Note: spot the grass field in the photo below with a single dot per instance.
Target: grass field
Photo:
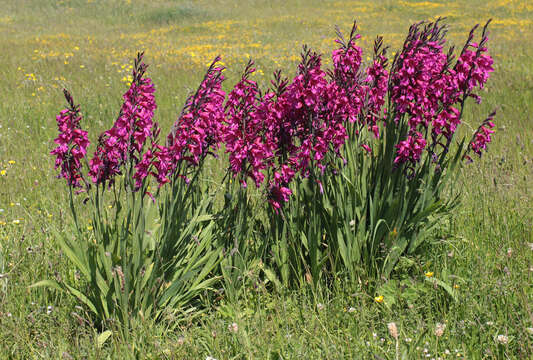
(485, 251)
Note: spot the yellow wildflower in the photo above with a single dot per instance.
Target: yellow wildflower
(3, 172)
(429, 274)
(379, 299)
(11, 162)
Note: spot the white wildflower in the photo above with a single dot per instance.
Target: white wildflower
(439, 329)
(502, 339)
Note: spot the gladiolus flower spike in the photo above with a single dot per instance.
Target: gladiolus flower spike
(124, 142)
(72, 143)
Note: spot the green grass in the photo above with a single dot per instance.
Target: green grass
(82, 45)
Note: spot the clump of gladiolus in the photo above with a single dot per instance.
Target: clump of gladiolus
(297, 127)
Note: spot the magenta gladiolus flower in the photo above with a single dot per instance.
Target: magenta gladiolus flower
(142, 168)
(410, 149)
(72, 143)
(427, 91)
(124, 142)
(197, 132)
(287, 131)
(482, 137)
(376, 90)
(248, 142)
(367, 148)
(278, 195)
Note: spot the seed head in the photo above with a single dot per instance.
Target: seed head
(439, 329)
(393, 330)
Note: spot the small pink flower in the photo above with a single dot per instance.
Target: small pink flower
(366, 148)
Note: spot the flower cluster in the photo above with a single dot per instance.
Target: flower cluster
(473, 67)
(125, 140)
(308, 128)
(197, 132)
(410, 149)
(346, 74)
(415, 80)
(431, 93)
(376, 87)
(287, 131)
(482, 136)
(72, 143)
(246, 133)
(198, 129)
(366, 90)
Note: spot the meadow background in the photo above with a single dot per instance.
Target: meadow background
(485, 251)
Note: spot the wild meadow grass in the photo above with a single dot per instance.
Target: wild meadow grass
(485, 251)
